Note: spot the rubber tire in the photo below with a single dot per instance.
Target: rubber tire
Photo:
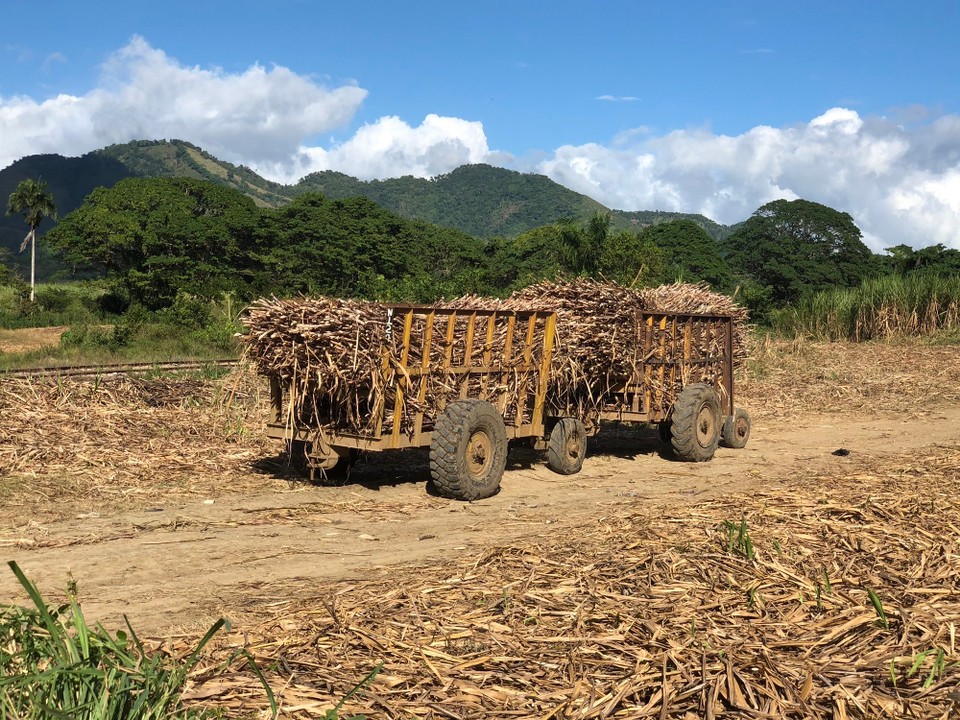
(736, 429)
(695, 426)
(567, 446)
(450, 471)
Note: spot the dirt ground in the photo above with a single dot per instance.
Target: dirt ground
(29, 339)
(174, 562)
(623, 591)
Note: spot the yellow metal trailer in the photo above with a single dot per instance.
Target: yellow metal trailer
(462, 382)
(465, 382)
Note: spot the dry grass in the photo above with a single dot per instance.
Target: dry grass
(645, 614)
(786, 378)
(29, 339)
(71, 445)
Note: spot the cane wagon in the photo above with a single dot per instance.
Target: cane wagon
(466, 382)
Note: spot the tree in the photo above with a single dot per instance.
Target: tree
(34, 200)
(580, 248)
(936, 259)
(157, 237)
(799, 247)
(6, 274)
(632, 260)
(690, 253)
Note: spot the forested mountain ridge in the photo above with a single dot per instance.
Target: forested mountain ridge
(177, 158)
(481, 200)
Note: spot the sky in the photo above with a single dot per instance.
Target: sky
(702, 106)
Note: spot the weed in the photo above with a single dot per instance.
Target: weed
(53, 664)
(878, 606)
(738, 538)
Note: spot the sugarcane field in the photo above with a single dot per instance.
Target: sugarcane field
(580, 501)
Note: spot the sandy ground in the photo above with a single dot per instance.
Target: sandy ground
(180, 565)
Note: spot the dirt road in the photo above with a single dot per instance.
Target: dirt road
(176, 566)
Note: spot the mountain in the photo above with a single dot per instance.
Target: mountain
(177, 158)
(70, 180)
(636, 219)
(486, 201)
(481, 200)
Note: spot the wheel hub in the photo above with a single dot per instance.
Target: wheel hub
(479, 453)
(706, 427)
(741, 428)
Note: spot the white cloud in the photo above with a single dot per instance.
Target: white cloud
(258, 115)
(617, 98)
(900, 180)
(900, 184)
(390, 147)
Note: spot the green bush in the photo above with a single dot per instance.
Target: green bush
(187, 312)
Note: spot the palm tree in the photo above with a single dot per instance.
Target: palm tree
(35, 201)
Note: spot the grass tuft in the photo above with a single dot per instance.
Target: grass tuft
(53, 664)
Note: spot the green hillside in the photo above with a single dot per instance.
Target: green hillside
(480, 200)
(176, 158)
(637, 219)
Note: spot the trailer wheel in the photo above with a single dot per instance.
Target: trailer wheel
(567, 446)
(339, 474)
(695, 428)
(298, 457)
(468, 450)
(736, 429)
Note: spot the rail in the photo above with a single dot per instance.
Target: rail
(82, 371)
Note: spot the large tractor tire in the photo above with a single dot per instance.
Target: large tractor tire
(468, 451)
(567, 446)
(695, 426)
(736, 429)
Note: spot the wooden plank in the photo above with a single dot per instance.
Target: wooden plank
(402, 380)
(424, 372)
(549, 331)
(525, 370)
(448, 339)
(647, 368)
(502, 378)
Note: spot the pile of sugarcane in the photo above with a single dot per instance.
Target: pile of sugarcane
(330, 353)
(326, 351)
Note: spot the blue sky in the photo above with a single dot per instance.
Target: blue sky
(712, 107)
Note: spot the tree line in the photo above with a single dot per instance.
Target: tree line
(157, 238)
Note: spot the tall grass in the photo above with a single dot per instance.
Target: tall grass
(54, 665)
(890, 306)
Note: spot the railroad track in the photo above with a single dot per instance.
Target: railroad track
(82, 371)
